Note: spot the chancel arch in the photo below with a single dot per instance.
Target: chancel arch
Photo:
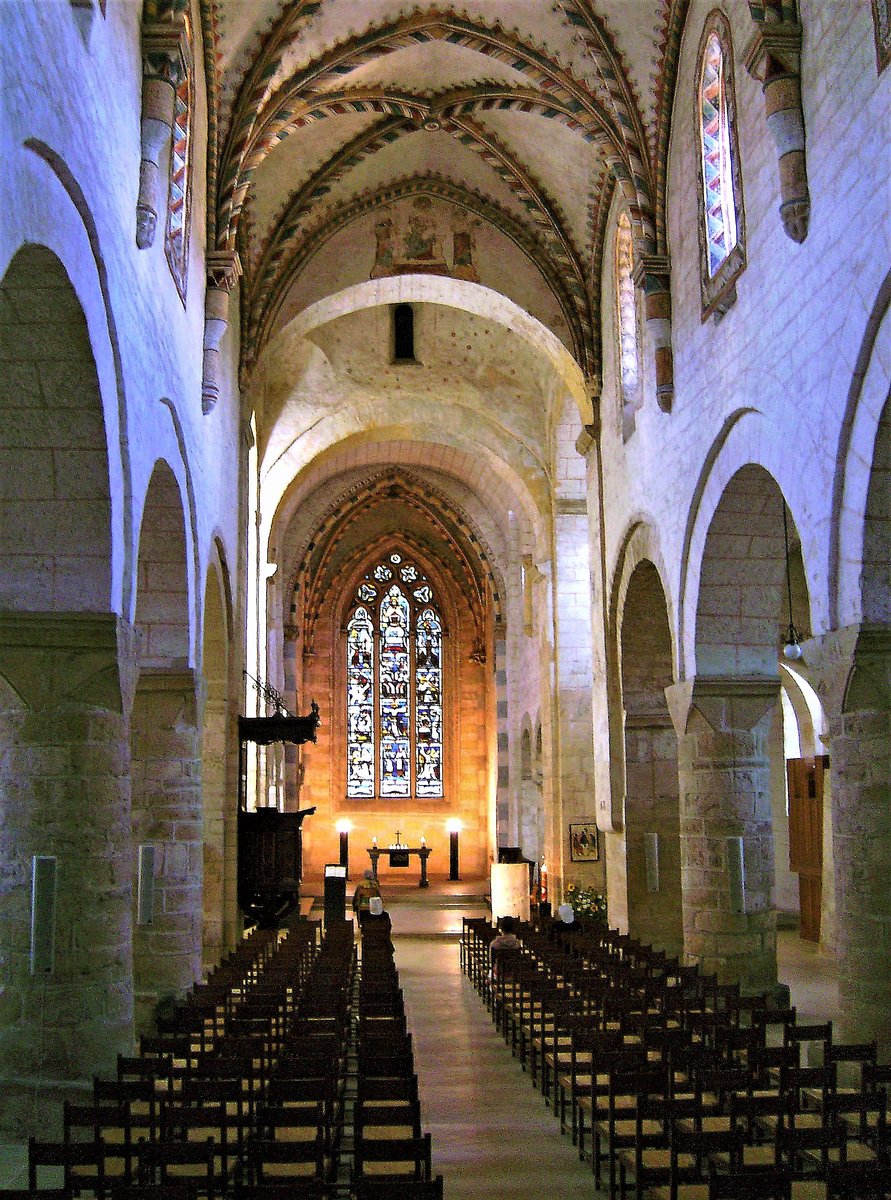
(394, 639)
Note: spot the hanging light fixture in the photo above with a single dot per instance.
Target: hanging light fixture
(792, 645)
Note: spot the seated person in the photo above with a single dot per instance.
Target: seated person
(506, 939)
(368, 888)
(564, 922)
(376, 916)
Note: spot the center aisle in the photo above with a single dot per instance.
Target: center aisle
(493, 1137)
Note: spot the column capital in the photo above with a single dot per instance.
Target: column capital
(88, 658)
(652, 271)
(725, 702)
(168, 679)
(165, 51)
(223, 269)
(849, 667)
(590, 433)
(774, 44)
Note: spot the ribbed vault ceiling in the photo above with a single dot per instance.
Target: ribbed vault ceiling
(498, 129)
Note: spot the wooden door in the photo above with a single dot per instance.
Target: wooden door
(805, 778)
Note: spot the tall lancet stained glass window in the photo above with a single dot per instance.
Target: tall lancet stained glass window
(717, 174)
(394, 685)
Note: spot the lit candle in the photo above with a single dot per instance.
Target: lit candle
(543, 882)
(374, 842)
(423, 840)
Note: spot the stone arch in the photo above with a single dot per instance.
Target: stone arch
(875, 578)
(727, 722)
(55, 504)
(162, 598)
(730, 453)
(65, 688)
(861, 769)
(639, 544)
(740, 603)
(166, 752)
(514, 469)
(468, 717)
(455, 293)
(58, 211)
(216, 793)
(866, 408)
(651, 803)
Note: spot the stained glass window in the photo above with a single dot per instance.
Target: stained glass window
(394, 686)
(360, 703)
(176, 238)
(717, 175)
(626, 322)
(428, 704)
(395, 672)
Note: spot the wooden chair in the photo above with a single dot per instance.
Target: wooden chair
(399, 1189)
(163, 1162)
(137, 1097)
(162, 1191)
(294, 1189)
(158, 1068)
(270, 1161)
(864, 1116)
(691, 1155)
(592, 1052)
(865, 1181)
(371, 1119)
(617, 1128)
(196, 1123)
(82, 1165)
(395, 1158)
(109, 1124)
(750, 1183)
(807, 1152)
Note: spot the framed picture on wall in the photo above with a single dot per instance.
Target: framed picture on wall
(583, 843)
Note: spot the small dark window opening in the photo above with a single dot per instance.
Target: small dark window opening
(403, 333)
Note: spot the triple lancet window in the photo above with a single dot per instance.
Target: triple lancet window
(394, 664)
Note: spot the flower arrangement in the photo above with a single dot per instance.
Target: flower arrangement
(586, 902)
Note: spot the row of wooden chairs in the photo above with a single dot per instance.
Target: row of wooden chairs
(392, 1155)
(201, 1109)
(639, 1054)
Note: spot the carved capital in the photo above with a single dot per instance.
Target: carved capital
(652, 272)
(849, 668)
(796, 218)
(76, 658)
(223, 269)
(165, 52)
(775, 48)
(725, 702)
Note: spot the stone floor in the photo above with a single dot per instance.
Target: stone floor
(493, 1137)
